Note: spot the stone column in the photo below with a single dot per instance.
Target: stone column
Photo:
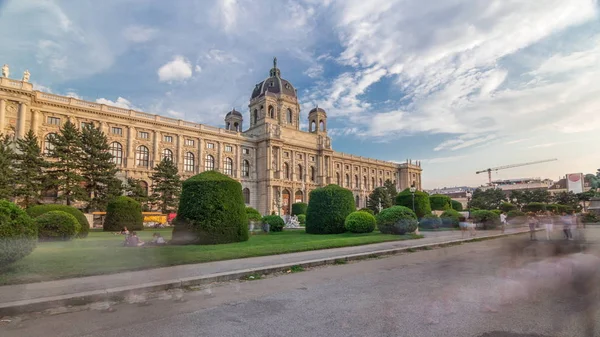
(130, 149)
(179, 158)
(293, 166)
(35, 121)
(200, 159)
(2, 115)
(155, 144)
(21, 118)
(238, 161)
(269, 163)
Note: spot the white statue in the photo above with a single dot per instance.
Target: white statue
(292, 222)
(5, 70)
(26, 76)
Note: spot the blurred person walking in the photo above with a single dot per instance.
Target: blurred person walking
(548, 221)
(567, 222)
(532, 221)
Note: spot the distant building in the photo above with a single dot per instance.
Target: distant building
(561, 185)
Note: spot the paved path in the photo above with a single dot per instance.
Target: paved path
(30, 291)
(391, 296)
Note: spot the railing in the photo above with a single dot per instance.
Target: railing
(191, 124)
(168, 120)
(210, 128)
(114, 109)
(51, 97)
(85, 104)
(145, 115)
(15, 84)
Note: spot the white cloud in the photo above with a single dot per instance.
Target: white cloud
(314, 71)
(175, 113)
(177, 70)
(139, 34)
(120, 103)
(197, 68)
(440, 160)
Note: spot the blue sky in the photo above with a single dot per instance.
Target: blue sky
(461, 85)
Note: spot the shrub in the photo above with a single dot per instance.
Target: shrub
(589, 218)
(430, 221)
(18, 233)
(57, 226)
(299, 208)
(397, 220)
(450, 218)
(253, 214)
(328, 208)
(360, 222)
(368, 210)
(302, 219)
(514, 214)
(38, 210)
(123, 212)
(507, 207)
(552, 208)
(422, 205)
(211, 211)
(275, 222)
(496, 211)
(488, 219)
(534, 207)
(457, 205)
(563, 208)
(439, 202)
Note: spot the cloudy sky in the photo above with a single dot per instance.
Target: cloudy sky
(461, 85)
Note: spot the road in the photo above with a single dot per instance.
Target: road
(393, 296)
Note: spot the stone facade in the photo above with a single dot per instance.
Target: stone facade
(276, 162)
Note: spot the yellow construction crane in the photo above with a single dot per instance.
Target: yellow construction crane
(489, 171)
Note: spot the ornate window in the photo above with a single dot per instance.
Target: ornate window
(142, 156)
(189, 162)
(228, 166)
(300, 177)
(48, 145)
(209, 163)
(167, 154)
(347, 180)
(246, 192)
(286, 171)
(365, 185)
(290, 116)
(380, 182)
(372, 182)
(356, 182)
(245, 168)
(271, 112)
(337, 179)
(357, 201)
(312, 174)
(116, 150)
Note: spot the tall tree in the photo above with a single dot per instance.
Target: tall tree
(64, 171)
(567, 199)
(166, 185)
(585, 197)
(97, 168)
(7, 173)
(390, 189)
(488, 199)
(378, 197)
(134, 190)
(29, 170)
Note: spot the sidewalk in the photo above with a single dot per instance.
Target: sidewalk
(76, 291)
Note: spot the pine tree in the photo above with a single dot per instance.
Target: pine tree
(29, 170)
(7, 173)
(64, 171)
(97, 168)
(390, 188)
(134, 190)
(379, 197)
(166, 185)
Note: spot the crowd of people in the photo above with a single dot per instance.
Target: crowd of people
(133, 240)
(567, 222)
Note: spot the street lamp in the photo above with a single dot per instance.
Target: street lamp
(412, 191)
(469, 195)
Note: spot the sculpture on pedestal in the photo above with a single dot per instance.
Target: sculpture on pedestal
(5, 70)
(292, 222)
(26, 76)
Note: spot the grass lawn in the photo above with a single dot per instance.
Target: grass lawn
(103, 253)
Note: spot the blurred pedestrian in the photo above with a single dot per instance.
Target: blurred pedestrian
(532, 221)
(567, 222)
(503, 221)
(548, 222)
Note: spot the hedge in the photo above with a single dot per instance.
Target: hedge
(328, 208)
(275, 222)
(422, 205)
(514, 214)
(457, 205)
(302, 219)
(211, 211)
(123, 212)
(360, 222)
(299, 208)
(507, 207)
(430, 221)
(534, 207)
(38, 210)
(368, 210)
(496, 211)
(18, 233)
(488, 219)
(57, 226)
(253, 214)
(439, 202)
(450, 218)
(396, 220)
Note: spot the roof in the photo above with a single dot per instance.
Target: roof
(234, 112)
(274, 84)
(317, 109)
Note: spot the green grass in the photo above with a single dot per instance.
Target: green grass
(103, 253)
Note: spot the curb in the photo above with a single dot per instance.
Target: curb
(121, 293)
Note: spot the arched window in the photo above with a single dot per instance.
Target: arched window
(254, 116)
(322, 126)
(228, 166)
(245, 168)
(312, 174)
(167, 154)
(356, 182)
(290, 116)
(337, 179)
(365, 185)
(48, 144)
(189, 162)
(271, 112)
(380, 182)
(300, 177)
(142, 156)
(209, 163)
(373, 183)
(228, 126)
(246, 192)
(313, 126)
(236, 126)
(347, 180)
(116, 150)
(286, 171)
(357, 201)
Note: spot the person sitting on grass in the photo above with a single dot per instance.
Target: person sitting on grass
(124, 231)
(157, 240)
(133, 240)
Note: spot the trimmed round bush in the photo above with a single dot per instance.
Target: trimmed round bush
(430, 221)
(275, 222)
(57, 226)
(534, 207)
(507, 207)
(439, 202)
(211, 211)
(396, 220)
(328, 208)
(253, 214)
(302, 219)
(457, 205)
(368, 210)
(488, 219)
(422, 205)
(18, 233)
(38, 210)
(360, 222)
(450, 218)
(299, 208)
(123, 212)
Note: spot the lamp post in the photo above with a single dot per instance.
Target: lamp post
(469, 195)
(412, 191)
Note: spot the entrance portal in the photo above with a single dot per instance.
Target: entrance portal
(285, 202)
(298, 197)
